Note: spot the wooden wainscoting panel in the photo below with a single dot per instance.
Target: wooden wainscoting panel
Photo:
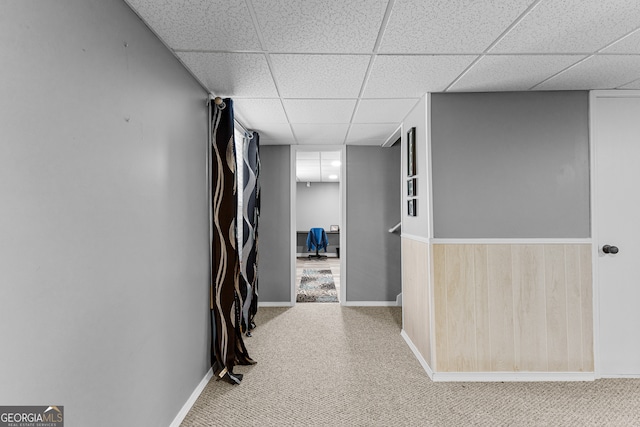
(529, 313)
(440, 308)
(460, 303)
(556, 295)
(415, 295)
(513, 308)
(500, 277)
(586, 295)
(574, 309)
(483, 337)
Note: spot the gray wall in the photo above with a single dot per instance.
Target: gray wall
(373, 206)
(274, 232)
(318, 205)
(104, 267)
(509, 165)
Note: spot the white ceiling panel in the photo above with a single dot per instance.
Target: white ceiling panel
(320, 110)
(408, 76)
(200, 24)
(274, 133)
(512, 72)
(448, 26)
(307, 71)
(633, 85)
(249, 111)
(371, 132)
(320, 133)
(320, 76)
(629, 44)
(320, 25)
(232, 74)
(383, 110)
(308, 155)
(561, 26)
(597, 72)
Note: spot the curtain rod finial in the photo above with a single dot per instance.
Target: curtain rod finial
(217, 100)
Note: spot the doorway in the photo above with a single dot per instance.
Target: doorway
(318, 202)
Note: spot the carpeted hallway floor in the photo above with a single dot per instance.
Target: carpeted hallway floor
(328, 365)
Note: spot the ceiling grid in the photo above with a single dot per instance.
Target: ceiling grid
(341, 72)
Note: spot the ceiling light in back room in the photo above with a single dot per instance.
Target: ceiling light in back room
(333, 176)
(336, 163)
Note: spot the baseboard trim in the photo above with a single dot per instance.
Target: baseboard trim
(370, 304)
(275, 304)
(417, 354)
(512, 376)
(192, 399)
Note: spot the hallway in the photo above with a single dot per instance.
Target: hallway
(324, 364)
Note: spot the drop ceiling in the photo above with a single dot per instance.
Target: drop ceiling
(335, 72)
(318, 166)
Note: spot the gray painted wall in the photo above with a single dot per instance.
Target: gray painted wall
(274, 233)
(373, 206)
(509, 165)
(318, 205)
(104, 266)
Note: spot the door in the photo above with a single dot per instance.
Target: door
(616, 133)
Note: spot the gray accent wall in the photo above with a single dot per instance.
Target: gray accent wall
(104, 253)
(373, 207)
(510, 165)
(317, 205)
(274, 232)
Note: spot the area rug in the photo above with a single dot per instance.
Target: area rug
(317, 286)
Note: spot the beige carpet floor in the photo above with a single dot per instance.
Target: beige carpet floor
(328, 365)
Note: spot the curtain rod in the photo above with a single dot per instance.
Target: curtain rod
(218, 101)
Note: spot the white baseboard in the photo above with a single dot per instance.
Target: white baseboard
(275, 304)
(511, 376)
(370, 304)
(416, 353)
(192, 399)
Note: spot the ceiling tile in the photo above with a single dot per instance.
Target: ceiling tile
(512, 72)
(308, 155)
(320, 25)
(411, 76)
(319, 110)
(249, 111)
(383, 110)
(371, 132)
(232, 74)
(448, 26)
(274, 133)
(320, 133)
(633, 85)
(597, 72)
(629, 44)
(320, 76)
(200, 24)
(571, 26)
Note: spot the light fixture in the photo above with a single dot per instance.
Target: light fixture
(308, 184)
(333, 176)
(336, 163)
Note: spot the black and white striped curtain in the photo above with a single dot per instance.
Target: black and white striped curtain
(226, 300)
(251, 212)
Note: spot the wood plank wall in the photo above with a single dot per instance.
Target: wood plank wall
(509, 308)
(415, 295)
